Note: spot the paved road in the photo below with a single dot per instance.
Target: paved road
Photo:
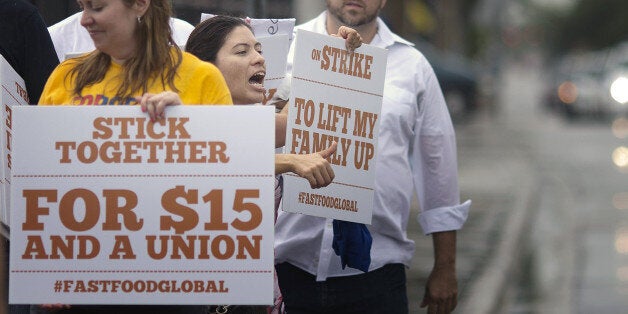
(495, 175)
(548, 229)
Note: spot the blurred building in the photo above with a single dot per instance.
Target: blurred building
(438, 21)
(190, 10)
(54, 11)
(443, 24)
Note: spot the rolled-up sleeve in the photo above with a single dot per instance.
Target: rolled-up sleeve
(435, 163)
(444, 218)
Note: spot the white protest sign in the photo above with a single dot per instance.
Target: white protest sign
(275, 35)
(266, 27)
(276, 54)
(336, 95)
(109, 207)
(13, 94)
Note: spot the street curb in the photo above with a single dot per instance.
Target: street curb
(486, 291)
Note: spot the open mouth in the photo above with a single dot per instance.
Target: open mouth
(257, 79)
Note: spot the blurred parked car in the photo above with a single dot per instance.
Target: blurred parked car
(457, 77)
(591, 84)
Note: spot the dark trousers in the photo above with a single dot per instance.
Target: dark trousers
(380, 291)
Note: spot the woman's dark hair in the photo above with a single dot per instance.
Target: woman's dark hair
(209, 36)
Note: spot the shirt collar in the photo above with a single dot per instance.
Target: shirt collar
(387, 37)
(383, 39)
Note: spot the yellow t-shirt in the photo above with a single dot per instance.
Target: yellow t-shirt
(198, 82)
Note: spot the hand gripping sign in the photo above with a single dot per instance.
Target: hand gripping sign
(336, 95)
(109, 207)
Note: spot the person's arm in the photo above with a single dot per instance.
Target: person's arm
(438, 192)
(441, 289)
(313, 167)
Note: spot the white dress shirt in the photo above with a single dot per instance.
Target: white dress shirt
(416, 153)
(71, 39)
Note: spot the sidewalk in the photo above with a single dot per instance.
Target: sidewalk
(496, 174)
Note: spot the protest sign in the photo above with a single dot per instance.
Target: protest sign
(276, 54)
(336, 95)
(266, 27)
(111, 208)
(13, 94)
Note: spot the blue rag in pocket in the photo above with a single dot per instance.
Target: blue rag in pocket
(352, 242)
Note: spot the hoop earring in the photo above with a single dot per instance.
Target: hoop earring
(139, 19)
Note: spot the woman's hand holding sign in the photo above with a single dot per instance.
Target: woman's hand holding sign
(155, 104)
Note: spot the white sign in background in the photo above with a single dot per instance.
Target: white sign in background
(13, 94)
(336, 95)
(275, 50)
(101, 215)
(266, 27)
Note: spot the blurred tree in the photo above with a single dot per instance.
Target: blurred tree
(445, 23)
(421, 17)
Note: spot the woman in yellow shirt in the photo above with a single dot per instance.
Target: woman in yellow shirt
(135, 62)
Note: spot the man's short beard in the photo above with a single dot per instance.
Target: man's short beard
(350, 21)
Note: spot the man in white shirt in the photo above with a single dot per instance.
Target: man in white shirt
(417, 153)
(71, 39)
